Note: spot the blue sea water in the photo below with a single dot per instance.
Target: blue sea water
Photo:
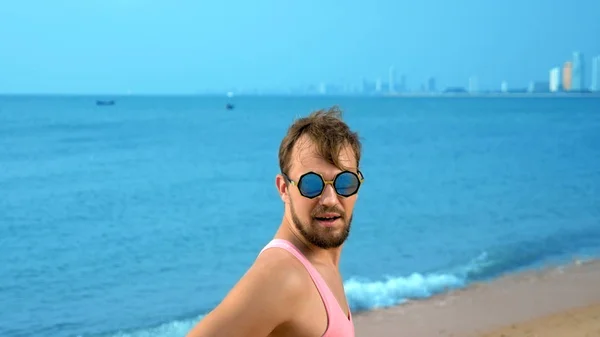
(136, 219)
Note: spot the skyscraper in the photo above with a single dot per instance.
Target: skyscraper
(322, 88)
(431, 87)
(403, 87)
(473, 84)
(578, 73)
(567, 74)
(596, 73)
(391, 79)
(554, 79)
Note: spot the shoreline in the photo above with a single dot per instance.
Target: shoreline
(500, 307)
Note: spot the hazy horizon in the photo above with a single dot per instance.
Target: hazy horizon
(121, 46)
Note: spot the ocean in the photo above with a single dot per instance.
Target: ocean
(136, 219)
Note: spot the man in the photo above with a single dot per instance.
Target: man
(294, 288)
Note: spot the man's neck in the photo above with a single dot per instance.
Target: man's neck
(310, 251)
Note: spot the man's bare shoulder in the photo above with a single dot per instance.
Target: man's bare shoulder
(284, 264)
(268, 295)
(277, 273)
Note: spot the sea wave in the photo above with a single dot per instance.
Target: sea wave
(363, 294)
(366, 294)
(396, 290)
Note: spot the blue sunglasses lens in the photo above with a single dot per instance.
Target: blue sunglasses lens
(346, 184)
(311, 185)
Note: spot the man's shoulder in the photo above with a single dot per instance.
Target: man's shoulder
(279, 271)
(270, 293)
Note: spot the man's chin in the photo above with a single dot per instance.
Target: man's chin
(327, 237)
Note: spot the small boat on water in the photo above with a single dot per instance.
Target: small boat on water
(229, 106)
(105, 102)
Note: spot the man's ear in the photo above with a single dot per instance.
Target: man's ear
(282, 188)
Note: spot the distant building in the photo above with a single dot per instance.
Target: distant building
(554, 85)
(391, 79)
(431, 86)
(378, 85)
(455, 90)
(473, 84)
(402, 87)
(596, 73)
(577, 73)
(322, 88)
(367, 87)
(567, 76)
(538, 86)
(504, 86)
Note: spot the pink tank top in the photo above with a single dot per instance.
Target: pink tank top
(338, 324)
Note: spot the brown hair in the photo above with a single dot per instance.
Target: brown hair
(329, 133)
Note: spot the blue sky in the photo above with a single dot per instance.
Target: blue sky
(184, 46)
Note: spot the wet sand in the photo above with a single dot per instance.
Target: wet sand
(557, 301)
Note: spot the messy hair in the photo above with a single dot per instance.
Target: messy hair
(327, 131)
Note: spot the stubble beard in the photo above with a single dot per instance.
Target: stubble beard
(322, 237)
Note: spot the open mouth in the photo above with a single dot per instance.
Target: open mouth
(327, 219)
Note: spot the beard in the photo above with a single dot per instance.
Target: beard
(317, 235)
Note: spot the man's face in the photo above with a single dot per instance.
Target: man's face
(307, 215)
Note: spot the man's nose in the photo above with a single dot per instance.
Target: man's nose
(328, 197)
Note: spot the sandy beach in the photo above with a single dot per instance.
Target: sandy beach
(557, 301)
(578, 322)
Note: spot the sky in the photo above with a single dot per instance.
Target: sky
(188, 46)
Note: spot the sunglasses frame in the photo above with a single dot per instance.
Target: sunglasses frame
(358, 175)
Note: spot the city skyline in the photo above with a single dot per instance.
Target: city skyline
(187, 47)
(574, 70)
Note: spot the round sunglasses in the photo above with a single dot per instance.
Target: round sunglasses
(312, 184)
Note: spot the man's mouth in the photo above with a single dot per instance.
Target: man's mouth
(327, 218)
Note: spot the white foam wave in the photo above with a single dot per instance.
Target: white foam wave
(362, 295)
(365, 295)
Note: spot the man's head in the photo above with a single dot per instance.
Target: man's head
(319, 162)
